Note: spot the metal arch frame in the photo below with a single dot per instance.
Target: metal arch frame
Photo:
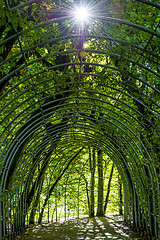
(59, 85)
(132, 148)
(26, 133)
(19, 6)
(107, 147)
(107, 19)
(66, 135)
(92, 64)
(65, 91)
(95, 99)
(76, 36)
(76, 51)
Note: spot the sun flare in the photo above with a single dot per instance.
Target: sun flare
(81, 14)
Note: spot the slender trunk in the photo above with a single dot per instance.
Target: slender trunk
(120, 196)
(65, 198)
(87, 191)
(29, 194)
(92, 170)
(108, 189)
(35, 205)
(100, 209)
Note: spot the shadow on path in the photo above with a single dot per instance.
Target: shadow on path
(77, 229)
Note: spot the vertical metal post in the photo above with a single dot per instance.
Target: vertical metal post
(8, 226)
(56, 202)
(65, 199)
(48, 210)
(18, 212)
(23, 210)
(48, 197)
(10, 216)
(39, 207)
(78, 196)
(0, 218)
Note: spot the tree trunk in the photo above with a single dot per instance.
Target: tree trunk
(35, 205)
(87, 191)
(108, 189)
(120, 196)
(100, 209)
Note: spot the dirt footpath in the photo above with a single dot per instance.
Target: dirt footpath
(80, 229)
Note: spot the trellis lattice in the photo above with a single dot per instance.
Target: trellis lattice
(65, 85)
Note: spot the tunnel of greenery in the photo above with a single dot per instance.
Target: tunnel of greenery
(79, 111)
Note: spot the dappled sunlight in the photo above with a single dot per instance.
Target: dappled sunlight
(84, 228)
(79, 119)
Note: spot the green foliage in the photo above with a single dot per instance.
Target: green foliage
(66, 86)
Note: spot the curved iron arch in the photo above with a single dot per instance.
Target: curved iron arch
(36, 118)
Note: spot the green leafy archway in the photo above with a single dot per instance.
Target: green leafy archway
(67, 85)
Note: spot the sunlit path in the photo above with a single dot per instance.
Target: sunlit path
(84, 228)
(79, 119)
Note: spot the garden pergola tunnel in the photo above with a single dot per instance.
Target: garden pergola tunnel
(66, 85)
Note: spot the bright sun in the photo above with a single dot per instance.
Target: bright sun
(81, 14)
